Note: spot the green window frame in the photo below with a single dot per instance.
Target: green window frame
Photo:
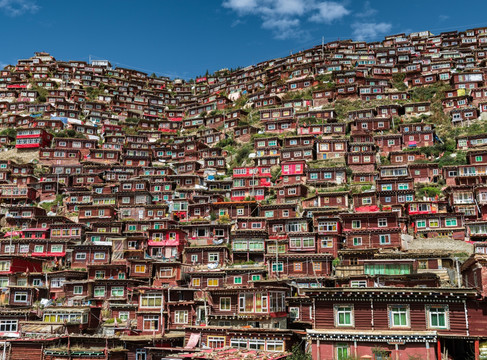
(399, 316)
(451, 222)
(277, 267)
(438, 317)
(344, 315)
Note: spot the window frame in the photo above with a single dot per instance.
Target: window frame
(226, 303)
(343, 309)
(399, 309)
(429, 313)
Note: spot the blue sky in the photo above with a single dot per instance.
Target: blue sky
(184, 38)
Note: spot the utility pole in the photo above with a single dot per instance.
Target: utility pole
(206, 310)
(277, 258)
(162, 322)
(322, 47)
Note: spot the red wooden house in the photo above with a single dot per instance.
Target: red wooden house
(371, 230)
(33, 138)
(343, 329)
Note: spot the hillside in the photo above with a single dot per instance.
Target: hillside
(335, 197)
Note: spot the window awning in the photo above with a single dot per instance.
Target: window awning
(193, 341)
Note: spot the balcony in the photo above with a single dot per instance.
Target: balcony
(349, 270)
(458, 201)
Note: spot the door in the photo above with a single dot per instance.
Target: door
(342, 352)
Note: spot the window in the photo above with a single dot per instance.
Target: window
(8, 325)
(433, 223)
(124, 315)
(151, 300)
(212, 282)
(117, 291)
(327, 242)
(151, 322)
(3, 283)
(384, 239)
(99, 256)
(77, 290)
(356, 224)
(225, 304)
(294, 313)
(255, 277)
(256, 344)
(196, 282)
(358, 283)
(420, 223)
(366, 201)
(216, 342)
(181, 316)
(382, 222)
(57, 282)
(39, 248)
(237, 280)
(278, 266)
(20, 296)
(56, 248)
(165, 272)
(398, 316)
(194, 258)
(213, 257)
(343, 315)
(451, 222)
(437, 317)
(298, 266)
(140, 269)
(357, 241)
(275, 345)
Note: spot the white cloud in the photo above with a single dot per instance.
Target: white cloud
(283, 28)
(285, 17)
(369, 31)
(290, 7)
(18, 7)
(367, 11)
(328, 12)
(241, 6)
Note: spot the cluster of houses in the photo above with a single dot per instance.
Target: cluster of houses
(246, 214)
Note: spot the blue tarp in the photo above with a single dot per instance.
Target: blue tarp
(63, 119)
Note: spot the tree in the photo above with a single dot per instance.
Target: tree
(298, 354)
(9, 132)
